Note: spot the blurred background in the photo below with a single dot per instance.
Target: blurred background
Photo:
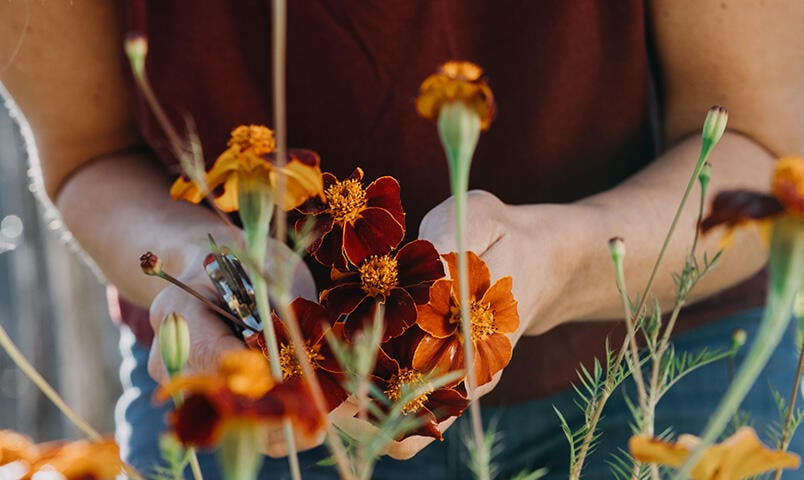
(52, 304)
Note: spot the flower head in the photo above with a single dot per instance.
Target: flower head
(734, 208)
(353, 222)
(461, 82)
(241, 394)
(741, 455)
(396, 377)
(400, 282)
(314, 325)
(493, 316)
(249, 163)
(80, 460)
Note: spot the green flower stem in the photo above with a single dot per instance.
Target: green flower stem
(459, 129)
(786, 270)
(256, 208)
(787, 430)
(241, 451)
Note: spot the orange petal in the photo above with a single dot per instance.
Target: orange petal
(183, 189)
(16, 447)
(501, 299)
(99, 461)
(434, 317)
(438, 354)
(479, 276)
(491, 356)
(303, 180)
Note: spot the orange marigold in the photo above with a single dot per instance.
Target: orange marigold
(457, 81)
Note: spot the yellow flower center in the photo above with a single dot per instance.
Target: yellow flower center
(255, 139)
(378, 275)
(407, 378)
(291, 368)
(482, 316)
(346, 199)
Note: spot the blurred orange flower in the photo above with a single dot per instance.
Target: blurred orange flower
(241, 393)
(734, 208)
(494, 315)
(741, 455)
(80, 460)
(249, 162)
(457, 81)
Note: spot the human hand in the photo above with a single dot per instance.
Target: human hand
(210, 336)
(520, 241)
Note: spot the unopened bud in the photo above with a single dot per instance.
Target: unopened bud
(136, 46)
(150, 264)
(738, 338)
(715, 124)
(617, 248)
(174, 343)
(705, 175)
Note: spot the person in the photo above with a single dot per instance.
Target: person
(599, 105)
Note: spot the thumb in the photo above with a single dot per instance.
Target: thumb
(482, 228)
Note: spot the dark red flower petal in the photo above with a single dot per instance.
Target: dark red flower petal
(419, 263)
(385, 193)
(332, 388)
(733, 207)
(342, 299)
(446, 402)
(402, 348)
(375, 232)
(197, 421)
(329, 251)
(313, 319)
(400, 313)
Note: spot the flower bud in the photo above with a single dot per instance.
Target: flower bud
(136, 47)
(617, 248)
(150, 264)
(738, 338)
(174, 343)
(715, 124)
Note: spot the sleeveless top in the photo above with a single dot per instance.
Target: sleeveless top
(572, 80)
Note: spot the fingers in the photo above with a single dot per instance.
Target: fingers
(483, 226)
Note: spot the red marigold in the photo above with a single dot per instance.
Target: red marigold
(395, 375)
(241, 392)
(494, 315)
(353, 222)
(399, 282)
(314, 324)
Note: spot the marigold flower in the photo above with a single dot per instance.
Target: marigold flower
(73, 460)
(400, 282)
(734, 208)
(249, 162)
(741, 455)
(241, 393)
(395, 375)
(494, 315)
(314, 323)
(353, 222)
(457, 81)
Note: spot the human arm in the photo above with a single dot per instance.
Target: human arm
(558, 255)
(66, 75)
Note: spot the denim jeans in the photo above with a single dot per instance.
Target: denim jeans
(529, 434)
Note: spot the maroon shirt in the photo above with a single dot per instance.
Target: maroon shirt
(571, 79)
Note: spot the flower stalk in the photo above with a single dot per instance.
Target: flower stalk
(786, 269)
(459, 129)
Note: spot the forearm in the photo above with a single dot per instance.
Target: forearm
(640, 211)
(119, 207)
